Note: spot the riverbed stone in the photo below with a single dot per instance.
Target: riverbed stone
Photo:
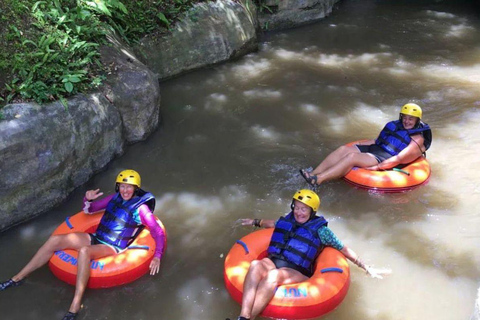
(292, 13)
(208, 34)
(47, 151)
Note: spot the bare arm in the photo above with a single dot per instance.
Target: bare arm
(353, 256)
(264, 223)
(414, 150)
(365, 142)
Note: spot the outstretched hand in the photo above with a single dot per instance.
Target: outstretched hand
(377, 273)
(246, 222)
(154, 266)
(93, 194)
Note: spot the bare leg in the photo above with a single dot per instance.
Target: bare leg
(267, 287)
(54, 243)
(256, 273)
(345, 164)
(333, 158)
(85, 255)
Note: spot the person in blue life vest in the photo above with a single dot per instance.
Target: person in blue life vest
(127, 212)
(400, 142)
(297, 240)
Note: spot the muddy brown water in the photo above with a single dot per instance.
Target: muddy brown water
(233, 138)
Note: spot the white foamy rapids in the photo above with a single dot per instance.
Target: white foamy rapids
(476, 311)
(216, 102)
(265, 134)
(262, 94)
(251, 69)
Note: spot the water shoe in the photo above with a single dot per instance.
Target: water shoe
(311, 179)
(9, 283)
(69, 316)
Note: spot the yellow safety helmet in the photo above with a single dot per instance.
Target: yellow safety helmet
(130, 177)
(412, 109)
(309, 198)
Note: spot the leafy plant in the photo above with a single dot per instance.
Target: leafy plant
(147, 16)
(51, 47)
(266, 6)
(56, 58)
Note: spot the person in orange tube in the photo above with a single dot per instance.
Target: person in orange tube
(400, 142)
(297, 240)
(127, 212)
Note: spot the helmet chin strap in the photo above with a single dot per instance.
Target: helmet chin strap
(312, 215)
(417, 124)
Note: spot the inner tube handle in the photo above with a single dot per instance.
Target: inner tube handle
(139, 247)
(67, 221)
(244, 245)
(339, 270)
(402, 171)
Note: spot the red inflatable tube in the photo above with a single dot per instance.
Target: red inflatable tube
(106, 272)
(410, 177)
(320, 294)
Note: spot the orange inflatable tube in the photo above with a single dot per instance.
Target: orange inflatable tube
(410, 177)
(320, 294)
(106, 272)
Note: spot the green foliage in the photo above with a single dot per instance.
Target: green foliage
(52, 47)
(147, 16)
(58, 57)
(266, 6)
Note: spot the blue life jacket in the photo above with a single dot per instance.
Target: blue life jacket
(118, 226)
(297, 243)
(394, 137)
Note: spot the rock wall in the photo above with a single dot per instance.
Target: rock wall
(293, 13)
(47, 151)
(208, 34)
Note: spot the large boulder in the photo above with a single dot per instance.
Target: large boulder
(47, 151)
(207, 34)
(285, 14)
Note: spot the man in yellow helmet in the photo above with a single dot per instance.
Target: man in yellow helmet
(297, 240)
(400, 142)
(127, 212)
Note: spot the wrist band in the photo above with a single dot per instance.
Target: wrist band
(256, 222)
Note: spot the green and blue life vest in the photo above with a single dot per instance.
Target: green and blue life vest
(297, 243)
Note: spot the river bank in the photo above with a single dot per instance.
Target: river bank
(46, 151)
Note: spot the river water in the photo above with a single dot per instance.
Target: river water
(233, 138)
